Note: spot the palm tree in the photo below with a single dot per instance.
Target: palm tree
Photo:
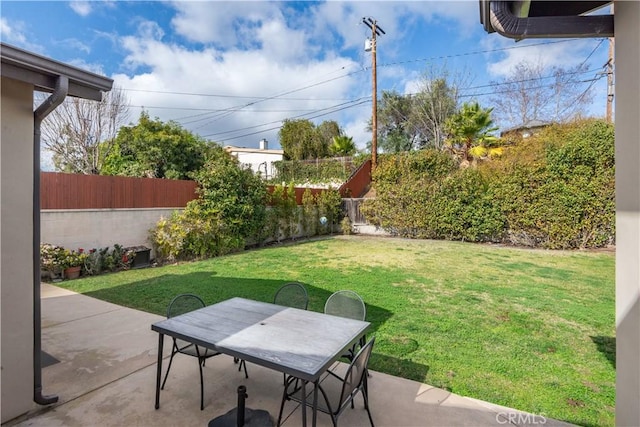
(342, 145)
(469, 127)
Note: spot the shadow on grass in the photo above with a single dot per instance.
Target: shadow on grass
(154, 294)
(398, 367)
(606, 346)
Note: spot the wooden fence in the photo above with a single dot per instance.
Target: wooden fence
(71, 191)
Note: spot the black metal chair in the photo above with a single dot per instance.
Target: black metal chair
(353, 382)
(350, 305)
(346, 304)
(182, 304)
(292, 295)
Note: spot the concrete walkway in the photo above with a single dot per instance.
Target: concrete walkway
(107, 369)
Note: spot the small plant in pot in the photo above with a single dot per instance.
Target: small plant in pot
(74, 261)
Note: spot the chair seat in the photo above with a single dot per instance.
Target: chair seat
(331, 385)
(190, 349)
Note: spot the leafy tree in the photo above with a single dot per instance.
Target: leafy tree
(80, 133)
(432, 106)
(328, 130)
(395, 132)
(532, 93)
(469, 127)
(155, 149)
(301, 139)
(342, 146)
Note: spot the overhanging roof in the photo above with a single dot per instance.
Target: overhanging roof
(43, 72)
(545, 19)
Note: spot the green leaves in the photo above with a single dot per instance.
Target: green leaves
(469, 127)
(301, 139)
(342, 145)
(555, 190)
(155, 149)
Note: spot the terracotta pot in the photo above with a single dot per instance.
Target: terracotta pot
(72, 272)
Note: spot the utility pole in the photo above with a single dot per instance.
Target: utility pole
(375, 31)
(610, 91)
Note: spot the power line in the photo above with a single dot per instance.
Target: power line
(312, 117)
(214, 110)
(357, 101)
(279, 96)
(218, 95)
(476, 52)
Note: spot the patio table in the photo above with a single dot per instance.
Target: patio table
(300, 343)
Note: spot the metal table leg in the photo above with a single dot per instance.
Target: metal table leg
(159, 370)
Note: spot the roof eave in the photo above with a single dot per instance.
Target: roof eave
(497, 16)
(43, 72)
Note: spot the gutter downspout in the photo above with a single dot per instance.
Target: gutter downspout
(50, 104)
(509, 25)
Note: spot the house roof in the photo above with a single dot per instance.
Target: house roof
(233, 149)
(43, 72)
(531, 124)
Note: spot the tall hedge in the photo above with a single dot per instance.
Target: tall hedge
(554, 190)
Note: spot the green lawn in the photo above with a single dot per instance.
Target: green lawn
(528, 329)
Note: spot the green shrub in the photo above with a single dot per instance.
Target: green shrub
(284, 216)
(309, 214)
(345, 225)
(554, 190)
(230, 211)
(329, 205)
(317, 171)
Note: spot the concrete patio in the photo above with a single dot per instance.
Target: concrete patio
(107, 369)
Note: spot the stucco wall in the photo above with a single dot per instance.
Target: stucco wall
(16, 265)
(627, 99)
(99, 228)
(257, 161)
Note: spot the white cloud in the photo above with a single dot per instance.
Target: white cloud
(14, 33)
(75, 44)
(265, 71)
(217, 22)
(396, 18)
(357, 127)
(562, 54)
(267, 49)
(82, 8)
(81, 63)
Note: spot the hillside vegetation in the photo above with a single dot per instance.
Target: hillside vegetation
(553, 190)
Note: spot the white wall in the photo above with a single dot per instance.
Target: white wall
(257, 159)
(16, 262)
(627, 98)
(99, 228)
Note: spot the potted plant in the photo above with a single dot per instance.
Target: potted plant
(52, 260)
(73, 262)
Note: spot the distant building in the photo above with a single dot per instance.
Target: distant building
(527, 129)
(259, 159)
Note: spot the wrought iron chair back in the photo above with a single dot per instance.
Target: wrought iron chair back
(182, 304)
(346, 304)
(354, 382)
(292, 295)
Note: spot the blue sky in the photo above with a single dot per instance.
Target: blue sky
(231, 71)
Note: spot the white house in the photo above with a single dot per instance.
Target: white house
(259, 159)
